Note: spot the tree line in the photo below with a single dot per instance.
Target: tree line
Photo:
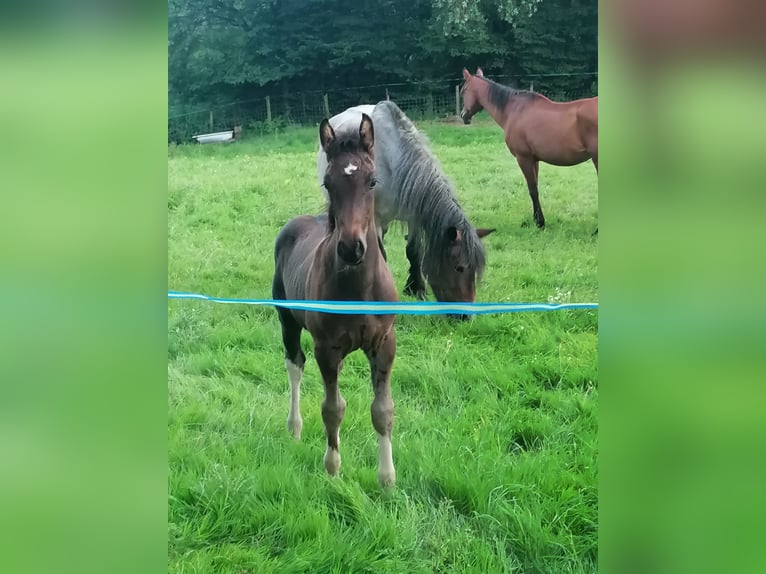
(221, 51)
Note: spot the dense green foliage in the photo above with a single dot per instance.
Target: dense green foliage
(495, 439)
(226, 50)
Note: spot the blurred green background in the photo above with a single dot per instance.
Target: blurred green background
(682, 317)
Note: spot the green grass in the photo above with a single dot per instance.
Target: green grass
(495, 439)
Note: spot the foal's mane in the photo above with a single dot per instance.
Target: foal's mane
(426, 193)
(347, 142)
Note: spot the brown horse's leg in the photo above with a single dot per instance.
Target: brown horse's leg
(595, 163)
(382, 408)
(416, 284)
(530, 167)
(333, 405)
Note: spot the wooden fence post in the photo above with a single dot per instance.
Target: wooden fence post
(387, 96)
(326, 107)
(211, 121)
(457, 100)
(268, 109)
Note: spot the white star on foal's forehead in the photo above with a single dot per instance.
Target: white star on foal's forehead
(350, 168)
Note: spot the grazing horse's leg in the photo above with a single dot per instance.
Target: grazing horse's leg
(416, 284)
(382, 408)
(381, 235)
(294, 362)
(333, 405)
(530, 167)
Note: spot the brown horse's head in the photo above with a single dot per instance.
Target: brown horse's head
(460, 265)
(471, 103)
(349, 180)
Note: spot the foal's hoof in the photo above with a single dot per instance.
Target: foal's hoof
(332, 461)
(540, 224)
(387, 479)
(295, 426)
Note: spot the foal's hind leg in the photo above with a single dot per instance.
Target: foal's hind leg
(416, 284)
(382, 408)
(333, 405)
(294, 362)
(530, 167)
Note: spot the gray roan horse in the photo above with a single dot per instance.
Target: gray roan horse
(337, 257)
(412, 188)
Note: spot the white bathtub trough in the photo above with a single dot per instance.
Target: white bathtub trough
(218, 137)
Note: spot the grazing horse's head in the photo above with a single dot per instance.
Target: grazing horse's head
(349, 180)
(471, 104)
(461, 263)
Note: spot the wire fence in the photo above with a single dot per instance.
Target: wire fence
(271, 113)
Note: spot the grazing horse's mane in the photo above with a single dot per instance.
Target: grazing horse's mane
(426, 191)
(499, 94)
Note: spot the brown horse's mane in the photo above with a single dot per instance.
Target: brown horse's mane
(499, 95)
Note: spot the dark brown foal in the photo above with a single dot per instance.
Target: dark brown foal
(337, 257)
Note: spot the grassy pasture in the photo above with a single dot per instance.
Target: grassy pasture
(495, 435)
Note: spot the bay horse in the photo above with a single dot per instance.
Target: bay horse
(536, 128)
(412, 188)
(336, 256)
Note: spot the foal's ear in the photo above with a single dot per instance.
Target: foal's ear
(326, 135)
(366, 133)
(481, 232)
(479, 72)
(454, 234)
(466, 75)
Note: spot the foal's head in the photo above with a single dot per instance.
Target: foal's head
(471, 104)
(349, 180)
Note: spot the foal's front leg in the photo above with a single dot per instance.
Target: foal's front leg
(382, 408)
(416, 284)
(333, 405)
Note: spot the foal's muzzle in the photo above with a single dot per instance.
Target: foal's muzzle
(351, 253)
(465, 117)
